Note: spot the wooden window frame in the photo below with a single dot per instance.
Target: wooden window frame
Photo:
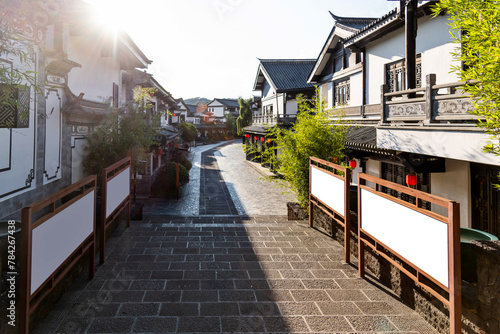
(398, 67)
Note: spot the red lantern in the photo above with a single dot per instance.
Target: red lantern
(247, 136)
(255, 138)
(262, 139)
(160, 151)
(269, 141)
(411, 180)
(352, 164)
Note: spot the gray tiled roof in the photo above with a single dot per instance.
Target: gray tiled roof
(229, 102)
(288, 74)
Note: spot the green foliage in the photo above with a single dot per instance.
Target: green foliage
(15, 18)
(475, 25)
(118, 136)
(181, 158)
(313, 134)
(165, 183)
(187, 131)
(231, 123)
(245, 117)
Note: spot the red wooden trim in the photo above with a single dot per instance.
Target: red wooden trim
(329, 164)
(102, 222)
(108, 174)
(325, 210)
(315, 199)
(125, 161)
(453, 222)
(455, 281)
(62, 193)
(60, 208)
(361, 248)
(407, 204)
(408, 191)
(340, 177)
(311, 207)
(402, 258)
(347, 209)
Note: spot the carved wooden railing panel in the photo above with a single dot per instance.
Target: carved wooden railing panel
(433, 103)
(453, 105)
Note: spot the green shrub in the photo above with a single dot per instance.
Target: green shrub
(164, 184)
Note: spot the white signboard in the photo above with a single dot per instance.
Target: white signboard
(57, 238)
(117, 190)
(328, 189)
(418, 238)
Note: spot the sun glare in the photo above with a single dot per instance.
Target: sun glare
(109, 13)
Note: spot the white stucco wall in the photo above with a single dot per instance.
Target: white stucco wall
(372, 167)
(96, 76)
(356, 89)
(17, 146)
(459, 144)
(433, 42)
(454, 185)
(291, 107)
(323, 90)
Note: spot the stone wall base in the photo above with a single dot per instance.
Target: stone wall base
(480, 302)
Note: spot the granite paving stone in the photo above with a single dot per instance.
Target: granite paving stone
(240, 268)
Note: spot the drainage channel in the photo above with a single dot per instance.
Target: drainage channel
(215, 199)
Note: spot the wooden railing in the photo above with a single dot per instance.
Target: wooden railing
(430, 104)
(329, 190)
(115, 196)
(273, 119)
(419, 242)
(56, 233)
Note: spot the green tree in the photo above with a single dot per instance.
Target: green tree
(313, 134)
(121, 134)
(231, 123)
(245, 117)
(17, 19)
(187, 131)
(475, 26)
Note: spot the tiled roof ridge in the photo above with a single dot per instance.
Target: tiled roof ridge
(346, 20)
(374, 23)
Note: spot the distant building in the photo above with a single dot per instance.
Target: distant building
(222, 107)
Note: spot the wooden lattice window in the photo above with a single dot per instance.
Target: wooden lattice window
(14, 106)
(397, 174)
(342, 93)
(396, 74)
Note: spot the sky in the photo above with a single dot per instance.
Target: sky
(209, 48)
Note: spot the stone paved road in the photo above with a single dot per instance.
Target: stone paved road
(242, 186)
(233, 275)
(191, 266)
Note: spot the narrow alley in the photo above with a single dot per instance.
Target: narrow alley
(225, 258)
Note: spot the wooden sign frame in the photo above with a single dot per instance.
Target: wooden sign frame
(50, 212)
(342, 219)
(448, 293)
(108, 216)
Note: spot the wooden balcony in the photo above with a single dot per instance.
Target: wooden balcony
(274, 119)
(445, 103)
